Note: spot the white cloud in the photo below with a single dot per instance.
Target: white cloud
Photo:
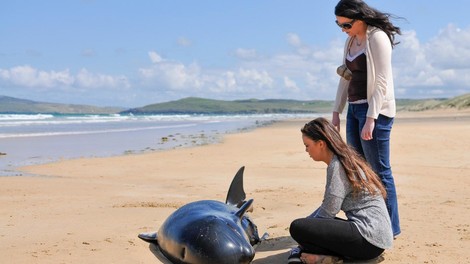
(86, 79)
(154, 57)
(258, 78)
(184, 42)
(294, 40)
(227, 83)
(296, 75)
(450, 48)
(173, 75)
(438, 67)
(192, 79)
(30, 77)
(27, 76)
(290, 84)
(246, 54)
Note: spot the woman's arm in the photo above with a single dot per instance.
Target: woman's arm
(336, 189)
(380, 70)
(329, 208)
(342, 91)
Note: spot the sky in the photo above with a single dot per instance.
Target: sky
(135, 53)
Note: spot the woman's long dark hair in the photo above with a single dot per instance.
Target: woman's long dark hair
(353, 163)
(358, 9)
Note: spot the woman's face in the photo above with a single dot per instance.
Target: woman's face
(313, 148)
(352, 27)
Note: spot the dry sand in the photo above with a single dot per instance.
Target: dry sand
(91, 210)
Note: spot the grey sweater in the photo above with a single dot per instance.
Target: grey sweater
(368, 212)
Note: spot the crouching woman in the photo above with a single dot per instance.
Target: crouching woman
(351, 186)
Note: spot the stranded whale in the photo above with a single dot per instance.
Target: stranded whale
(208, 231)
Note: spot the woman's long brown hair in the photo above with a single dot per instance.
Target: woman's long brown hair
(353, 163)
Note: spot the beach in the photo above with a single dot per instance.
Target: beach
(90, 210)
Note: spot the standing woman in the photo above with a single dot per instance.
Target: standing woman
(369, 90)
(351, 186)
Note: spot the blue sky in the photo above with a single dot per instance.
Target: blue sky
(134, 53)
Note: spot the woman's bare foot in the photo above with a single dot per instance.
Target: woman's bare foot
(308, 258)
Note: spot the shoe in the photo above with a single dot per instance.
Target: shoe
(294, 256)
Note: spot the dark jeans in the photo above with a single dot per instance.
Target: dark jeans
(334, 237)
(376, 151)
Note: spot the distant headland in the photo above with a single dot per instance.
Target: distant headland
(195, 105)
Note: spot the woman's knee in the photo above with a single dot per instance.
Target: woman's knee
(295, 227)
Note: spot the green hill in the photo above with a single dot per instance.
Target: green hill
(193, 105)
(459, 102)
(250, 106)
(254, 106)
(21, 106)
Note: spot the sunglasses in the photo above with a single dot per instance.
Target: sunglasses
(347, 25)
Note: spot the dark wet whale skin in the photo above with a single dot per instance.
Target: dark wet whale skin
(208, 232)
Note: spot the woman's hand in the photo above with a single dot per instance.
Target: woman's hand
(368, 128)
(335, 120)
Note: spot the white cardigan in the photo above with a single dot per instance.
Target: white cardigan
(380, 90)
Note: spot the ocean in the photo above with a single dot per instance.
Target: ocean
(28, 139)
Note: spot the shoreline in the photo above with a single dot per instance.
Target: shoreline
(52, 147)
(91, 210)
(177, 140)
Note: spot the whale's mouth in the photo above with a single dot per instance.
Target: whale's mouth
(149, 237)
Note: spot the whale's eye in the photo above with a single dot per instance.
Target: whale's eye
(183, 252)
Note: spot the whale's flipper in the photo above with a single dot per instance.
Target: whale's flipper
(236, 194)
(263, 238)
(149, 237)
(245, 207)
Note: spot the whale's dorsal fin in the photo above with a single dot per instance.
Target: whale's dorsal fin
(236, 194)
(245, 207)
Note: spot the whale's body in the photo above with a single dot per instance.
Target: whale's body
(208, 231)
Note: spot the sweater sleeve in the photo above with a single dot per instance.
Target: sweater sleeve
(336, 189)
(329, 208)
(342, 90)
(341, 95)
(380, 57)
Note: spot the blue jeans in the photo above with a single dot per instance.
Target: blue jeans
(376, 152)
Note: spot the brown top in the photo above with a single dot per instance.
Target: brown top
(357, 89)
